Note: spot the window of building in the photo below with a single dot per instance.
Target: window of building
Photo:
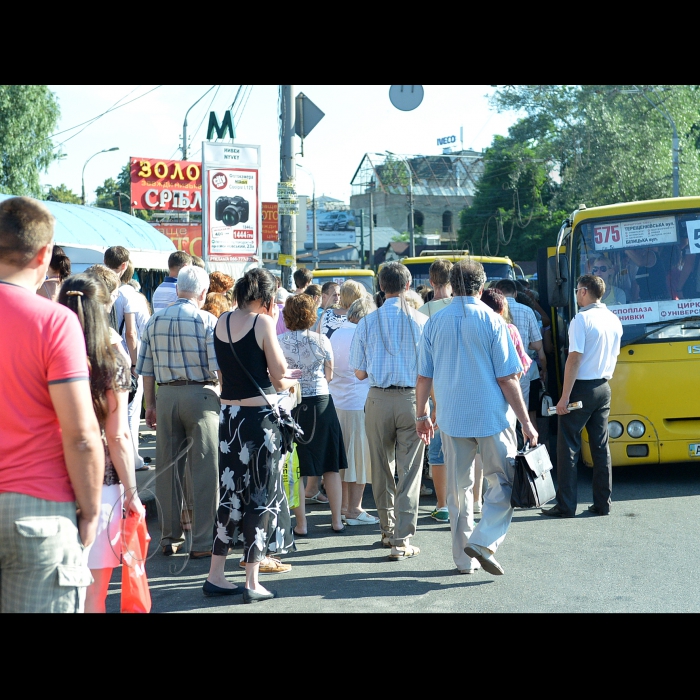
(447, 222)
(417, 219)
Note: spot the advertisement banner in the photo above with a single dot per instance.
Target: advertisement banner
(166, 185)
(270, 228)
(187, 237)
(336, 227)
(232, 213)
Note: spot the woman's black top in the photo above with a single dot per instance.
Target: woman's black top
(236, 384)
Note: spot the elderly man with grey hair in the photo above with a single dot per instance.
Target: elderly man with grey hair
(177, 353)
(385, 350)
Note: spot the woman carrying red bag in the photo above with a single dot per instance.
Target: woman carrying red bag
(88, 297)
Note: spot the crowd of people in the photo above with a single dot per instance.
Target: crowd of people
(236, 376)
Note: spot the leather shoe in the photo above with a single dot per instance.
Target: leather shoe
(594, 510)
(253, 597)
(210, 590)
(170, 549)
(270, 565)
(556, 513)
(200, 555)
(485, 558)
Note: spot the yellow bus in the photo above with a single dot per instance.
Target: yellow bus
(647, 253)
(495, 268)
(340, 275)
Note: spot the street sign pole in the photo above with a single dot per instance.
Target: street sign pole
(287, 216)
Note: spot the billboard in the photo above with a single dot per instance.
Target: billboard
(166, 185)
(270, 221)
(232, 212)
(187, 237)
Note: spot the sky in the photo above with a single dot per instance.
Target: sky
(358, 119)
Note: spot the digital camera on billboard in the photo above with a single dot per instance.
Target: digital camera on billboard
(231, 210)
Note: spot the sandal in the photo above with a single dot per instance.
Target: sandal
(364, 518)
(399, 553)
(318, 498)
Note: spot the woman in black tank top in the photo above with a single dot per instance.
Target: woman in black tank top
(252, 502)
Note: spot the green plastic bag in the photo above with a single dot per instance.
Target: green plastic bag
(290, 477)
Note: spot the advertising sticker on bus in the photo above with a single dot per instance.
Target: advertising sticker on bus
(632, 234)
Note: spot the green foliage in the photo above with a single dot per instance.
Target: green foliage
(591, 144)
(401, 237)
(62, 194)
(28, 117)
(116, 194)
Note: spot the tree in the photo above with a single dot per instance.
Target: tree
(62, 194)
(28, 117)
(116, 194)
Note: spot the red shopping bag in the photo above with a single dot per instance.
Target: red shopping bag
(136, 597)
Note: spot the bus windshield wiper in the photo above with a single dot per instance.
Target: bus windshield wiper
(658, 325)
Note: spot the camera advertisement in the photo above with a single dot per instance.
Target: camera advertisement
(232, 213)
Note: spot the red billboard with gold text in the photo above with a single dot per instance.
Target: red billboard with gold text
(187, 237)
(166, 185)
(269, 221)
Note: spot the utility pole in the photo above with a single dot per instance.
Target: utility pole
(287, 222)
(362, 238)
(371, 224)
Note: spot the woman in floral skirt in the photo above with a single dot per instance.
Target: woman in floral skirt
(253, 507)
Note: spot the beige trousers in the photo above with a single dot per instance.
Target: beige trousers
(394, 446)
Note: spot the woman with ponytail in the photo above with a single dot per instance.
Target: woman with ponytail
(59, 270)
(88, 297)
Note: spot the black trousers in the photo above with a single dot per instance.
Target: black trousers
(595, 396)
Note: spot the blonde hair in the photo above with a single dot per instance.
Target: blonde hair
(349, 292)
(414, 299)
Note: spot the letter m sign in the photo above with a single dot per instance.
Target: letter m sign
(226, 126)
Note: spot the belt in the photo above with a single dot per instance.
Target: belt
(392, 387)
(187, 382)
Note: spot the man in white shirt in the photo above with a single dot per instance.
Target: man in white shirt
(594, 344)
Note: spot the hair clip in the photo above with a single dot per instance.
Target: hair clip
(73, 293)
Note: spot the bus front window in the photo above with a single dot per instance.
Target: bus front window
(651, 269)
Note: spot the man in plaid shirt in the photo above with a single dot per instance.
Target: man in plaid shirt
(177, 353)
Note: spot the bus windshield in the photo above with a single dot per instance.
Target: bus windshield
(651, 269)
(420, 272)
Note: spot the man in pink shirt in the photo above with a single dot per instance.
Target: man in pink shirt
(52, 458)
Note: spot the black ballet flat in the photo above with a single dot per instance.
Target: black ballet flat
(210, 590)
(253, 597)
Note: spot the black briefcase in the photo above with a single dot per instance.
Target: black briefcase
(532, 483)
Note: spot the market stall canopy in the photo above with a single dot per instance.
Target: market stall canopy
(86, 232)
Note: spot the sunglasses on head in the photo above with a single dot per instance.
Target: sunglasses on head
(602, 268)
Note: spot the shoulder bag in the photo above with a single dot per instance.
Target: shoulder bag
(532, 482)
(289, 428)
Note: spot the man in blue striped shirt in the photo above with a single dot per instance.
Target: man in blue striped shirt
(166, 291)
(385, 349)
(466, 351)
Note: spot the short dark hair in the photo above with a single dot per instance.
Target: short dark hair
(313, 290)
(440, 272)
(115, 256)
(179, 259)
(394, 277)
(506, 286)
(328, 285)
(198, 262)
(494, 299)
(467, 277)
(26, 226)
(255, 285)
(299, 312)
(594, 284)
(302, 277)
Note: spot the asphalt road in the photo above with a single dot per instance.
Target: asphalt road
(644, 557)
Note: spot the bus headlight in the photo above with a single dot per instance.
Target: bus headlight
(636, 429)
(615, 429)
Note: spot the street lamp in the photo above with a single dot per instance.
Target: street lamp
(411, 235)
(184, 125)
(667, 116)
(314, 254)
(106, 150)
(122, 194)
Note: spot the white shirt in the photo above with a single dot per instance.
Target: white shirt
(130, 301)
(348, 392)
(595, 332)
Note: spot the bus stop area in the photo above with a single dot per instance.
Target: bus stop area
(644, 557)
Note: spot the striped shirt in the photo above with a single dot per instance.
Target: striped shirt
(525, 321)
(178, 343)
(465, 349)
(385, 344)
(165, 294)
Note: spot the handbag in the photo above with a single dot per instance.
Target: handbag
(136, 596)
(532, 482)
(289, 428)
(545, 401)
